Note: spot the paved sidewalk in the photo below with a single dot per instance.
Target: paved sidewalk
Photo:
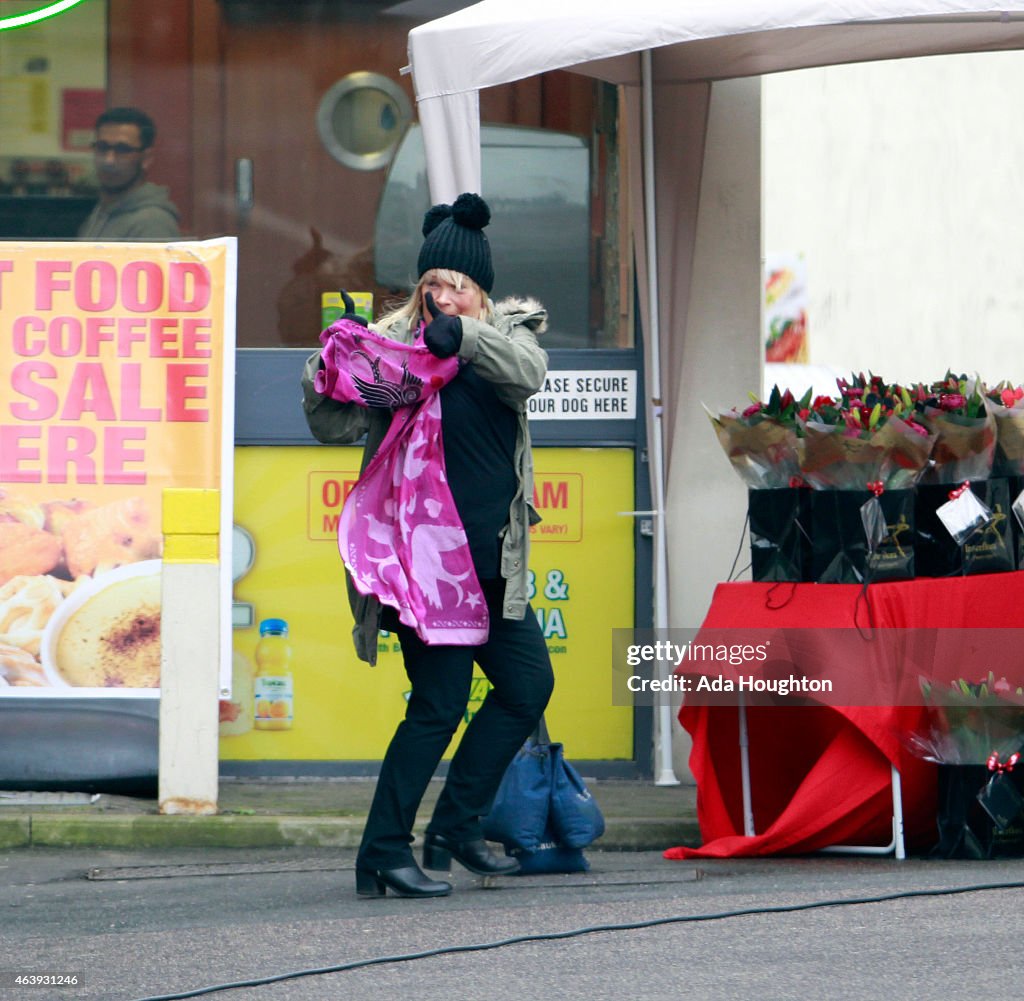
(330, 813)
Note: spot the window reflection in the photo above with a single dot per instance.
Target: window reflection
(538, 184)
(242, 83)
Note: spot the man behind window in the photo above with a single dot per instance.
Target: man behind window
(130, 207)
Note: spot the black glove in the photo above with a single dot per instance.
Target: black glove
(350, 309)
(444, 333)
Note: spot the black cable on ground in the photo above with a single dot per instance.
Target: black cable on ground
(449, 950)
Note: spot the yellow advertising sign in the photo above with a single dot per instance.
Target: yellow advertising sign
(560, 497)
(327, 492)
(116, 382)
(288, 501)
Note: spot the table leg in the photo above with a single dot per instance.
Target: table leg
(748, 809)
(896, 846)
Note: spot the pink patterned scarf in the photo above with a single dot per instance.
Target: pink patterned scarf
(400, 535)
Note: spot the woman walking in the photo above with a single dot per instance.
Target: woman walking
(435, 537)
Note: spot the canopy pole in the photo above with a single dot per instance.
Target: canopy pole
(666, 776)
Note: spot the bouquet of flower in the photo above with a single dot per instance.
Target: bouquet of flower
(1006, 403)
(956, 411)
(970, 721)
(868, 436)
(760, 441)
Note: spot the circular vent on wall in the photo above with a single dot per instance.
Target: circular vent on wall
(361, 119)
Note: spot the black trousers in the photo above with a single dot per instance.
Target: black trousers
(516, 662)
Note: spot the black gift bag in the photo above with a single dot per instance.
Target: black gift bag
(1016, 486)
(839, 544)
(989, 549)
(779, 533)
(968, 795)
(965, 829)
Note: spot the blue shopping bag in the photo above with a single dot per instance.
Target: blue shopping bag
(576, 819)
(519, 815)
(550, 856)
(544, 804)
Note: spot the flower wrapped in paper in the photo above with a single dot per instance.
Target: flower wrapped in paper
(970, 720)
(846, 456)
(974, 734)
(761, 440)
(868, 435)
(959, 412)
(862, 453)
(761, 444)
(1006, 404)
(956, 412)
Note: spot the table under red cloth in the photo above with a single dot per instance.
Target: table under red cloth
(821, 775)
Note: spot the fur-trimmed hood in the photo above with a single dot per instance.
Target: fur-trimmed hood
(528, 312)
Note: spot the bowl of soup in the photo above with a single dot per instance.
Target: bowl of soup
(106, 633)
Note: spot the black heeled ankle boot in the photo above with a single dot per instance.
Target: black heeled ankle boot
(438, 852)
(406, 881)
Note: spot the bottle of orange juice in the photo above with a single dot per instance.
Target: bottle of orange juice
(272, 684)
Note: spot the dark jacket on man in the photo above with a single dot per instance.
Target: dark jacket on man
(145, 213)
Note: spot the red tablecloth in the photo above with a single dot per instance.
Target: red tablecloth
(821, 775)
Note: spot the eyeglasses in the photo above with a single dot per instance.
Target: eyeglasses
(101, 148)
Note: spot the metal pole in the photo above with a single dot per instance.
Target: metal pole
(899, 847)
(748, 808)
(665, 773)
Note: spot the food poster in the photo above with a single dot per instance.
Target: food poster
(116, 382)
(287, 502)
(785, 308)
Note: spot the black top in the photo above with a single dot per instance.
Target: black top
(479, 437)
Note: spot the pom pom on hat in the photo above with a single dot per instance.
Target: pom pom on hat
(471, 211)
(434, 217)
(454, 240)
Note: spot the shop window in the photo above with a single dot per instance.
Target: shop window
(52, 86)
(288, 125)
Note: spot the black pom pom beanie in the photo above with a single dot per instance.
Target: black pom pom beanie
(454, 239)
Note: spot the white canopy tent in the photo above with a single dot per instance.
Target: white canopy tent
(499, 41)
(666, 54)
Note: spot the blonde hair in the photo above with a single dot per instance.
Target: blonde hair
(413, 308)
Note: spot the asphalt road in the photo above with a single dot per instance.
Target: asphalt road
(163, 924)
